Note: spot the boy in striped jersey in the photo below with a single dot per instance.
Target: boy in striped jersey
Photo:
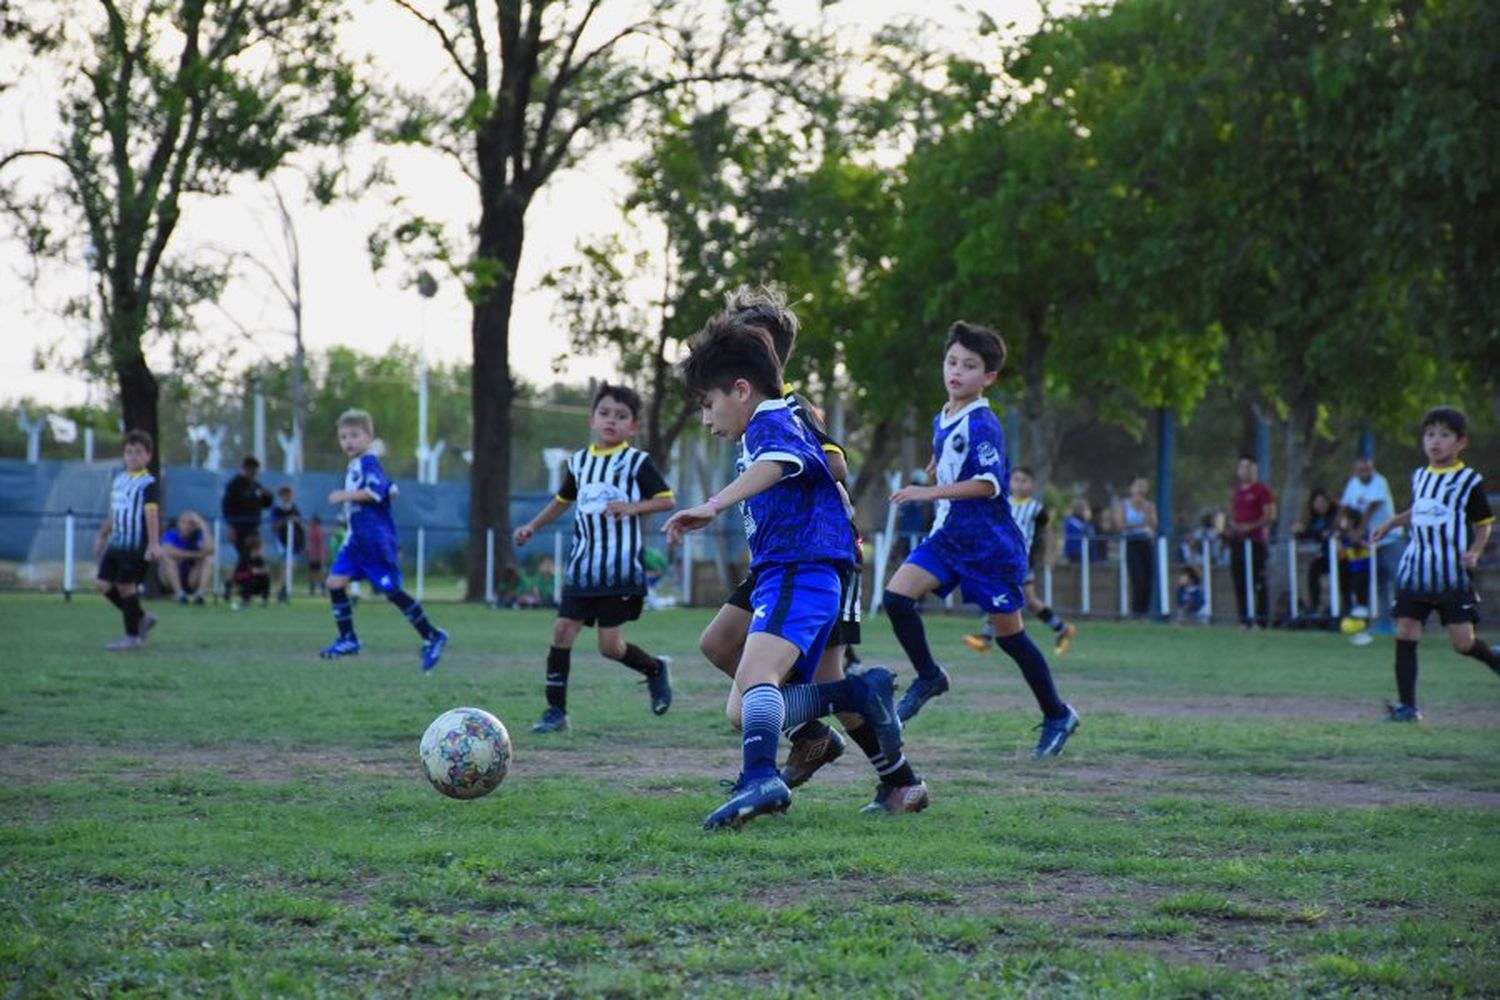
(128, 539)
(1450, 523)
(1031, 517)
(610, 485)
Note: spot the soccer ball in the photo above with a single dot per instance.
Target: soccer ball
(466, 753)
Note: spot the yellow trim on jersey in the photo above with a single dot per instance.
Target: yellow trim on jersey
(835, 449)
(1480, 524)
(1445, 471)
(152, 503)
(138, 473)
(598, 452)
(663, 493)
(562, 499)
(787, 388)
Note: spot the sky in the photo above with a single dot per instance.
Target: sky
(345, 302)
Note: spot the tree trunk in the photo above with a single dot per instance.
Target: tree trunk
(138, 388)
(501, 233)
(1034, 399)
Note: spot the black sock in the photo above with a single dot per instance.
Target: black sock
(1050, 619)
(113, 596)
(897, 773)
(1033, 664)
(1406, 671)
(413, 612)
(559, 663)
(907, 623)
(130, 608)
(343, 611)
(640, 661)
(1482, 652)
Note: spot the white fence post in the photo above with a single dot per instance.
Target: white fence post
(489, 565)
(1249, 582)
(1374, 586)
(557, 565)
(687, 570)
(1047, 584)
(1335, 607)
(1291, 573)
(1124, 580)
(291, 557)
(1208, 580)
(882, 553)
(421, 561)
(1083, 576)
(213, 566)
(1163, 588)
(68, 543)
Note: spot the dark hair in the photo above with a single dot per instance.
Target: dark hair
(1319, 491)
(1193, 574)
(622, 394)
(1450, 417)
(283, 491)
(1024, 470)
(140, 437)
(250, 462)
(1245, 456)
(983, 341)
(1353, 515)
(728, 349)
(766, 308)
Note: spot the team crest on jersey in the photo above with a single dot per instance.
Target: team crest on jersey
(988, 454)
(594, 497)
(1429, 513)
(958, 443)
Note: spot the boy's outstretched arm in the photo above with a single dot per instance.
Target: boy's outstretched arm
(1399, 521)
(352, 496)
(761, 476)
(544, 517)
(969, 489)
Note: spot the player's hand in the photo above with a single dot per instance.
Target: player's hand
(336, 497)
(911, 494)
(98, 545)
(523, 534)
(688, 519)
(153, 553)
(1471, 559)
(619, 508)
(1378, 534)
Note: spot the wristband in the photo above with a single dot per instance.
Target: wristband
(713, 502)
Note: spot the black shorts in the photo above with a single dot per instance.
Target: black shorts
(1453, 607)
(602, 610)
(845, 630)
(123, 566)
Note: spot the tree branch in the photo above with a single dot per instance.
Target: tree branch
(449, 46)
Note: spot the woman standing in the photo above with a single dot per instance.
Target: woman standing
(1136, 518)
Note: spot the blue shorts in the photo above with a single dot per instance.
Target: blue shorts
(993, 596)
(357, 562)
(798, 602)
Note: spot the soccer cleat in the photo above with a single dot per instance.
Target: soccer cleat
(1055, 733)
(182, 598)
(808, 755)
(660, 686)
(126, 644)
(234, 604)
(980, 643)
(879, 709)
(752, 798)
(891, 800)
(147, 624)
(922, 691)
(1402, 712)
(554, 720)
(1065, 639)
(342, 646)
(432, 649)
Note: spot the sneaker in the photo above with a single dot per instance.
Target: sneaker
(432, 649)
(660, 686)
(1402, 712)
(920, 693)
(182, 598)
(198, 601)
(750, 799)
(1055, 733)
(879, 709)
(1065, 639)
(810, 754)
(126, 644)
(980, 643)
(147, 624)
(235, 605)
(342, 646)
(893, 799)
(554, 720)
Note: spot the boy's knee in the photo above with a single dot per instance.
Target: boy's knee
(732, 713)
(104, 586)
(611, 647)
(564, 631)
(126, 589)
(898, 605)
(718, 649)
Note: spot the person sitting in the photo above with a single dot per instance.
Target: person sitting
(1354, 562)
(185, 548)
(1315, 530)
(1192, 605)
(252, 576)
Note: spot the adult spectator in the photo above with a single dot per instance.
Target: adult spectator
(1136, 518)
(1078, 528)
(1368, 492)
(185, 548)
(1315, 529)
(244, 499)
(285, 514)
(1252, 510)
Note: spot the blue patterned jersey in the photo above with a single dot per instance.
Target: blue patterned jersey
(802, 517)
(980, 534)
(371, 526)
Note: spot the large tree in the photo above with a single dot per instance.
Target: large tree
(536, 86)
(161, 102)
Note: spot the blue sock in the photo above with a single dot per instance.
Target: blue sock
(806, 702)
(413, 612)
(1033, 664)
(910, 633)
(761, 714)
(343, 611)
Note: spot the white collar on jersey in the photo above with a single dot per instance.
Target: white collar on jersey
(945, 420)
(771, 404)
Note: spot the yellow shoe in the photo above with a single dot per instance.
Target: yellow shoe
(979, 643)
(1065, 639)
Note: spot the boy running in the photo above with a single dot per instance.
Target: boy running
(1450, 523)
(369, 550)
(974, 541)
(610, 485)
(128, 539)
(800, 545)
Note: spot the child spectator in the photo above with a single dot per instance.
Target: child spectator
(1078, 528)
(252, 576)
(316, 547)
(1320, 525)
(244, 499)
(128, 539)
(286, 517)
(1354, 562)
(1191, 603)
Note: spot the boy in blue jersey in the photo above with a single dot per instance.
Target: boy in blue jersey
(369, 550)
(800, 544)
(974, 541)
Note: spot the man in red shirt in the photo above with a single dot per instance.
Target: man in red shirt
(1252, 511)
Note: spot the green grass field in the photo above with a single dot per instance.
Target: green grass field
(228, 815)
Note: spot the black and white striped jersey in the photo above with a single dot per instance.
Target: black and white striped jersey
(1029, 515)
(129, 496)
(606, 556)
(1446, 505)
